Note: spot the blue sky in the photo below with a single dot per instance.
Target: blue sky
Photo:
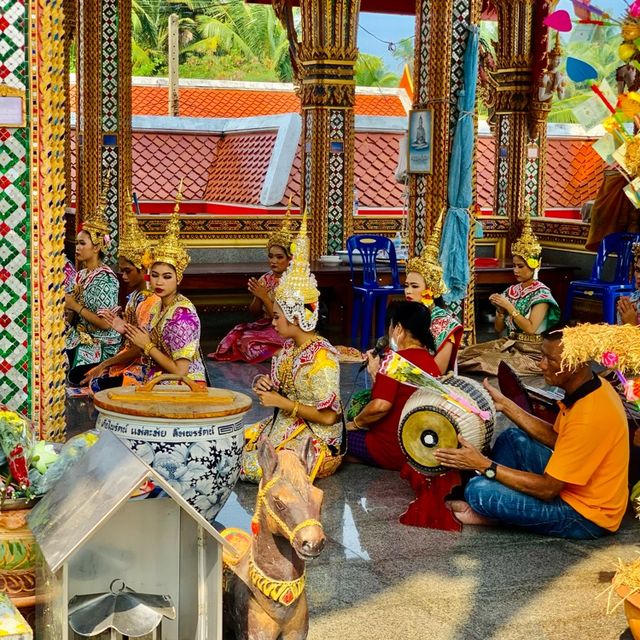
(393, 28)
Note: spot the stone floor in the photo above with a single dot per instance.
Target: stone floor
(378, 579)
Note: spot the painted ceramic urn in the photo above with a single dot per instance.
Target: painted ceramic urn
(193, 436)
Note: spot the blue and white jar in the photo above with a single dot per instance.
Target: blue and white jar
(192, 438)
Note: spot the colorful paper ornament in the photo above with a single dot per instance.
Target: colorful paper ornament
(559, 20)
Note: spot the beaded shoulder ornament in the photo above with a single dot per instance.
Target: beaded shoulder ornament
(428, 264)
(95, 224)
(527, 245)
(298, 286)
(134, 244)
(282, 237)
(170, 249)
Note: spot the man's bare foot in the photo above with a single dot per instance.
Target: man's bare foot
(466, 515)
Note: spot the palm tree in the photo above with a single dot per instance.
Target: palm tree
(372, 71)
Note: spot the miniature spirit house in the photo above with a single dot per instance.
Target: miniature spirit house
(90, 532)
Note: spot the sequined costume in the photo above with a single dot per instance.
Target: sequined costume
(252, 342)
(176, 332)
(95, 289)
(311, 375)
(634, 299)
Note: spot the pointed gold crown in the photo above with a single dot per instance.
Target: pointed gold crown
(635, 247)
(557, 49)
(170, 249)
(428, 264)
(298, 286)
(95, 223)
(527, 245)
(282, 237)
(134, 244)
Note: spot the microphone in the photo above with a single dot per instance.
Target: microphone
(381, 344)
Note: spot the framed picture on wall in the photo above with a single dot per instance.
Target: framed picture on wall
(420, 141)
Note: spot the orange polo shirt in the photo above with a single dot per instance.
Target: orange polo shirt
(591, 454)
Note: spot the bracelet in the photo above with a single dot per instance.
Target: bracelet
(355, 424)
(148, 348)
(515, 314)
(81, 309)
(294, 411)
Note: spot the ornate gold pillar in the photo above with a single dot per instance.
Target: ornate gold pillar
(325, 61)
(520, 118)
(432, 90)
(32, 198)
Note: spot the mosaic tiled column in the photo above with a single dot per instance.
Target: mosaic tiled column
(438, 79)
(520, 120)
(32, 215)
(325, 60)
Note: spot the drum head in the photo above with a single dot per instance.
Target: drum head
(421, 434)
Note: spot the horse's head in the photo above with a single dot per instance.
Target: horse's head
(288, 501)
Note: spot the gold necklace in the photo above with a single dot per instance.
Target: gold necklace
(285, 592)
(285, 367)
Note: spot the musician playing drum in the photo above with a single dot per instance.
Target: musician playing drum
(568, 479)
(373, 433)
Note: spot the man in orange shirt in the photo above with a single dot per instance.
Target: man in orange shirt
(568, 479)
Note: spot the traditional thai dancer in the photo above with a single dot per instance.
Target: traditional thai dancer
(525, 310)
(257, 341)
(172, 345)
(424, 283)
(304, 384)
(90, 338)
(134, 255)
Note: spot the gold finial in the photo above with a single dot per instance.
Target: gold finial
(527, 245)
(95, 223)
(170, 249)
(428, 264)
(282, 237)
(298, 294)
(134, 245)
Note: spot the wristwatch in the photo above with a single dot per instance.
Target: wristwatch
(490, 471)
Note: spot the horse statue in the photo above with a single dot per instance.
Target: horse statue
(264, 597)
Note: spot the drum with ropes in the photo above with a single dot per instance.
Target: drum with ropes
(432, 420)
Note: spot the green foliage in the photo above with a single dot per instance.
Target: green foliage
(371, 71)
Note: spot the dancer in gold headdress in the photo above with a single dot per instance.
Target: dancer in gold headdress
(629, 306)
(173, 343)
(304, 384)
(90, 338)
(257, 341)
(134, 255)
(424, 283)
(525, 310)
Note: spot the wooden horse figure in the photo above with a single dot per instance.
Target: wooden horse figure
(264, 595)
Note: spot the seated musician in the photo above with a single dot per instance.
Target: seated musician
(373, 432)
(526, 309)
(566, 479)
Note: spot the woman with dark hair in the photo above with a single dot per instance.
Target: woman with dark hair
(373, 432)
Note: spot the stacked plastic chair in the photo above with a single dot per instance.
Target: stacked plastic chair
(370, 297)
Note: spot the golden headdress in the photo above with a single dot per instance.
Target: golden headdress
(298, 286)
(170, 249)
(527, 245)
(428, 264)
(635, 247)
(134, 244)
(95, 224)
(282, 237)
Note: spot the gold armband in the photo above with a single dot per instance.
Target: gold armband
(147, 349)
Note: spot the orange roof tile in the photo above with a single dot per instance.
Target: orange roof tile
(215, 102)
(160, 160)
(239, 168)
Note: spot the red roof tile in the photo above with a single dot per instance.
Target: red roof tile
(160, 160)
(214, 102)
(239, 168)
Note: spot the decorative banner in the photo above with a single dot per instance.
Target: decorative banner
(593, 111)
(559, 20)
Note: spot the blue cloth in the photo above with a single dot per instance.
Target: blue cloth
(455, 234)
(490, 498)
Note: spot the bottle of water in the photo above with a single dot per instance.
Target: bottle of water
(397, 244)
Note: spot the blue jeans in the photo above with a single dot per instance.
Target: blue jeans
(490, 498)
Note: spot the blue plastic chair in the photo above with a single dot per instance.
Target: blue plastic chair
(370, 292)
(607, 291)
